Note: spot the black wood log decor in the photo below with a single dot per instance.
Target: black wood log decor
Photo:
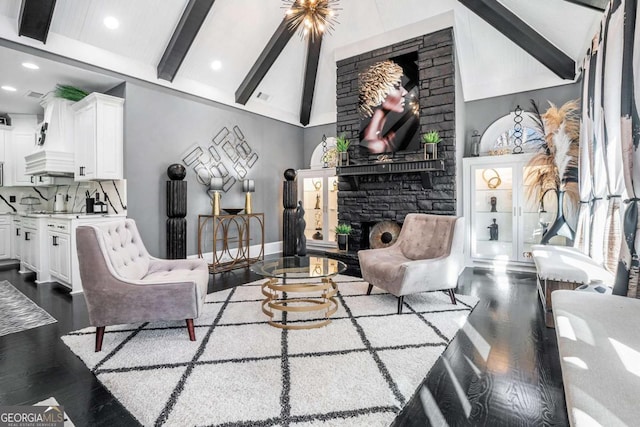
(289, 201)
(176, 211)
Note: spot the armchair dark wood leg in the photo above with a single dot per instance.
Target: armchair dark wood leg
(452, 296)
(99, 337)
(400, 302)
(369, 289)
(191, 329)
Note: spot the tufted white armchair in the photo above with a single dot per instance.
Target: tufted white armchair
(428, 256)
(123, 284)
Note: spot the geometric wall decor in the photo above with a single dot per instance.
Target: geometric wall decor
(229, 157)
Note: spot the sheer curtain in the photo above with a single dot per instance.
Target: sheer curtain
(630, 124)
(583, 235)
(613, 43)
(610, 137)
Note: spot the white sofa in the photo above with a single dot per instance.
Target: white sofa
(599, 346)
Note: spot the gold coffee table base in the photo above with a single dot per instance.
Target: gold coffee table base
(327, 304)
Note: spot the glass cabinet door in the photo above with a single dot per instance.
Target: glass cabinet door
(492, 225)
(313, 191)
(318, 191)
(332, 207)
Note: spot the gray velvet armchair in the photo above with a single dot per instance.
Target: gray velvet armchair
(123, 284)
(428, 256)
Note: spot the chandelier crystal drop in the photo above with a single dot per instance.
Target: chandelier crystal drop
(312, 17)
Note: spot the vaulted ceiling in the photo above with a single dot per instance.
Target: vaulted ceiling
(493, 57)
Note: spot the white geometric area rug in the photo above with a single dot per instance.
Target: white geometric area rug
(361, 369)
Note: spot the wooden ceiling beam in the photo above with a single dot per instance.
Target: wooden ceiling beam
(598, 5)
(505, 21)
(310, 73)
(185, 33)
(274, 47)
(35, 19)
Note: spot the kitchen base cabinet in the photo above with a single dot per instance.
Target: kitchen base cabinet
(59, 248)
(35, 256)
(16, 236)
(48, 246)
(5, 237)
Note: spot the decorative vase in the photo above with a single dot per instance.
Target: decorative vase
(343, 158)
(430, 151)
(560, 226)
(343, 241)
(176, 172)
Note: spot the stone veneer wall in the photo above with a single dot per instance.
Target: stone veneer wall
(393, 196)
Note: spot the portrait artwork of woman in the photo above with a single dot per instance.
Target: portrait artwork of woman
(381, 96)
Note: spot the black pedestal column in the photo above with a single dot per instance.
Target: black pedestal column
(176, 212)
(289, 201)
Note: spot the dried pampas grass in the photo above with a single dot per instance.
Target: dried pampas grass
(555, 167)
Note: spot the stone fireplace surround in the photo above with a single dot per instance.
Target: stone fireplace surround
(378, 197)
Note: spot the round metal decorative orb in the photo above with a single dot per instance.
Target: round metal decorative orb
(176, 172)
(290, 174)
(383, 234)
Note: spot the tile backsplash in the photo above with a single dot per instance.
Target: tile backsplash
(75, 193)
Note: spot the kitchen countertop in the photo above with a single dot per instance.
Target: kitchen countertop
(63, 215)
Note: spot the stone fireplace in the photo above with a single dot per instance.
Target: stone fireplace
(372, 197)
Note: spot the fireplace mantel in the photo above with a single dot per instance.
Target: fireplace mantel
(424, 167)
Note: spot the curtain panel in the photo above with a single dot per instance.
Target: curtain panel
(610, 137)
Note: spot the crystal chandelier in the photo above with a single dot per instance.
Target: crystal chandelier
(313, 17)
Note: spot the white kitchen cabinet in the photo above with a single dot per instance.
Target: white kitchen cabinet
(5, 134)
(495, 201)
(59, 249)
(16, 236)
(5, 237)
(22, 143)
(318, 191)
(48, 246)
(37, 180)
(98, 137)
(34, 253)
(19, 140)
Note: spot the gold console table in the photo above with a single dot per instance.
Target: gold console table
(230, 237)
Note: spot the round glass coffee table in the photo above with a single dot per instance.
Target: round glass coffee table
(295, 275)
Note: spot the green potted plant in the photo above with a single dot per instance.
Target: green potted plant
(71, 93)
(430, 141)
(342, 236)
(342, 147)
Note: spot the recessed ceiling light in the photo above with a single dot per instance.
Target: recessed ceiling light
(30, 66)
(8, 88)
(216, 65)
(111, 23)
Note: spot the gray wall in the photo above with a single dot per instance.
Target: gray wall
(313, 137)
(161, 125)
(480, 114)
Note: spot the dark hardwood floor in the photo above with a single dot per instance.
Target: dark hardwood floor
(502, 369)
